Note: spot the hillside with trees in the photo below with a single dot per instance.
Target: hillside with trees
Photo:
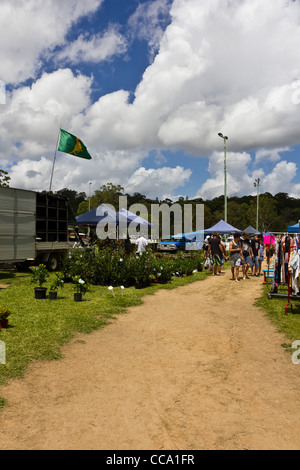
(275, 212)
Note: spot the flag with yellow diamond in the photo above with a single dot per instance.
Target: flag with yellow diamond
(69, 143)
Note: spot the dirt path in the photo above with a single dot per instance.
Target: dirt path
(198, 367)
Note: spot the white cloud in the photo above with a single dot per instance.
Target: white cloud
(32, 115)
(148, 22)
(218, 69)
(159, 183)
(33, 175)
(272, 155)
(29, 28)
(241, 176)
(281, 179)
(73, 172)
(228, 66)
(96, 49)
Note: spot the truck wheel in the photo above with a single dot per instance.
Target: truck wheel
(52, 263)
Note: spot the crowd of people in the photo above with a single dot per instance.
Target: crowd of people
(246, 254)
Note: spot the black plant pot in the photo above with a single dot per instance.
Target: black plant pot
(3, 324)
(40, 292)
(78, 296)
(52, 295)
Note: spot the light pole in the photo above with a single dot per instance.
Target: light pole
(89, 233)
(90, 183)
(224, 137)
(256, 184)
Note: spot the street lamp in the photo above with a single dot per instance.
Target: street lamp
(256, 184)
(89, 232)
(224, 137)
(90, 183)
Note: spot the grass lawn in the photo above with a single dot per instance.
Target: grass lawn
(38, 328)
(275, 308)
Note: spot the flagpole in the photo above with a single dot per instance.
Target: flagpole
(54, 159)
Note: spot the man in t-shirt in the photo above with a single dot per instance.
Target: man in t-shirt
(217, 251)
(141, 243)
(254, 264)
(247, 254)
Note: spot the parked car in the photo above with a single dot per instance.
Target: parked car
(172, 245)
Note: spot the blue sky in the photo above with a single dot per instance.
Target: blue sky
(147, 85)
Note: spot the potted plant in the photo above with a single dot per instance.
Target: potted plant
(39, 276)
(4, 314)
(57, 283)
(80, 287)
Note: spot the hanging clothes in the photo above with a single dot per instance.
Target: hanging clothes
(294, 268)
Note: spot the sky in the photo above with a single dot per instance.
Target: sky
(147, 86)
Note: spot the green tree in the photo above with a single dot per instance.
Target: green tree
(73, 196)
(107, 194)
(237, 215)
(83, 207)
(267, 212)
(4, 179)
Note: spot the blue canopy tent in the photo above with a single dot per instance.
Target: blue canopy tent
(135, 218)
(293, 228)
(104, 214)
(223, 228)
(251, 230)
(101, 213)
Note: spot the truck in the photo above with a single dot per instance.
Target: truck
(33, 227)
(172, 245)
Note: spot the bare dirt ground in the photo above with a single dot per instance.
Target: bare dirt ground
(199, 367)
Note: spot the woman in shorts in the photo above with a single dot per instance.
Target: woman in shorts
(236, 256)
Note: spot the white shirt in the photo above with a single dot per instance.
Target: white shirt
(141, 243)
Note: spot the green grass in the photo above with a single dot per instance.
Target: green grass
(38, 328)
(275, 309)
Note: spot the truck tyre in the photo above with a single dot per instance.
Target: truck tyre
(52, 264)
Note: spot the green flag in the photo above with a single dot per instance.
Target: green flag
(69, 143)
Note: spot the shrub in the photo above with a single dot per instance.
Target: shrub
(57, 283)
(40, 275)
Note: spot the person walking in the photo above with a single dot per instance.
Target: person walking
(224, 255)
(236, 256)
(261, 255)
(141, 243)
(247, 254)
(217, 251)
(254, 263)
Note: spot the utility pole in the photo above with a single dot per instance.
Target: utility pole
(224, 137)
(256, 185)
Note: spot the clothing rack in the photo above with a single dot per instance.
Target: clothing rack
(278, 282)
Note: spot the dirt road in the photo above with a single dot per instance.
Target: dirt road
(198, 367)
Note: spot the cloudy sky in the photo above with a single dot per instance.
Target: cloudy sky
(148, 85)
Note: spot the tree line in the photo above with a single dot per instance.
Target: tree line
(275, 212)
